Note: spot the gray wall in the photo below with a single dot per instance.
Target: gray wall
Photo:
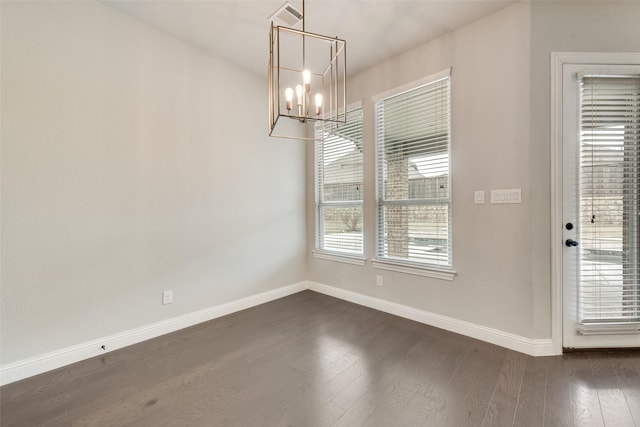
(127, 170)
(500, 139)
(490, 136)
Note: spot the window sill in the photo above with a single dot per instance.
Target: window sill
(418, 270)
(347, 259)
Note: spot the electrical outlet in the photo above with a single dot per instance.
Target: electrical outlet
(379, 281)
(167, 297)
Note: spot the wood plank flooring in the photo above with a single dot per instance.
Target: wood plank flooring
(312, 360)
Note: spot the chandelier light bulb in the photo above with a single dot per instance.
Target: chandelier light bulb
(300, 101)
(299, 94)
(318, 98)
(288, 95)
(306, 79)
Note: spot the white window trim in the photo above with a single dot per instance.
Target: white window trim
(412, 85)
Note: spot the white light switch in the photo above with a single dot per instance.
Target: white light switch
(478, 197)
(506, 196)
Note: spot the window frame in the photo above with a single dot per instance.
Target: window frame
(408, 265)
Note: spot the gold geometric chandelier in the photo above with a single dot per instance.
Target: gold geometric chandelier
(307, 77)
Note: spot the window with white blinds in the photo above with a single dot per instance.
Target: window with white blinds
(339, 186)
(412, 175)
(609, 289)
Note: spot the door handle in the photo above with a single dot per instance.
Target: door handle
(570, 242)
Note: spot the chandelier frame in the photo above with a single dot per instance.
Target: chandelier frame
(328, 56)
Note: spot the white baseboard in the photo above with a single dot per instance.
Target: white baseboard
(533, 347)
(56, 359)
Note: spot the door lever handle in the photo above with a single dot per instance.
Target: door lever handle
(570, 242)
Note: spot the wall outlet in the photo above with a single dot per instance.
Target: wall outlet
(379, 281)
(167, 297)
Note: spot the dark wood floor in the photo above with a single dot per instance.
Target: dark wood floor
(312, 360)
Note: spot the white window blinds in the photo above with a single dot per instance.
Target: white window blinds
(609, 288)
(412, 175)
(339, 186)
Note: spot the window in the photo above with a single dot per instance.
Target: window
(609, 199)
(339, 187)
(412, 174)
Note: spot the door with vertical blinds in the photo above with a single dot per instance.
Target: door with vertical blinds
(601, 174)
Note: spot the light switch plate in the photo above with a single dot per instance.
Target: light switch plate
(513, 195)
(478, 197)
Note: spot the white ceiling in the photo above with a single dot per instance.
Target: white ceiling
(238, 30)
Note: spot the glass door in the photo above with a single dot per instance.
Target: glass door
(601, 206)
